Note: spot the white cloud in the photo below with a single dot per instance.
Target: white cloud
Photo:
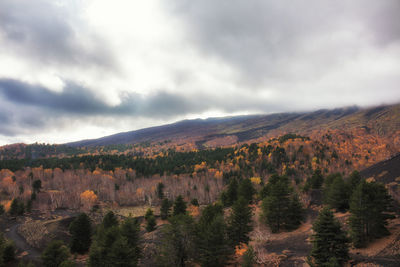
(221, 58)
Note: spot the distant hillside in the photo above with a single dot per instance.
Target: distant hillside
(387, 172)
(382, 121)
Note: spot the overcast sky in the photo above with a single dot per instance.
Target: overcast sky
(77, 69)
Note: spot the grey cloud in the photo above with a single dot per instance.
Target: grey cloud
(276, 40)
(73, 99)
(78, 100)
(25, 106)
(382, 17)
(49, 32)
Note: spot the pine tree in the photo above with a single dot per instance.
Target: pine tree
(151, 223)
(266, 189)
(370, 206)
(17, 207)
(121, 254)
(246, 190)
(211, 241)
(9, 251)
(179, 206)
(37, 185)
(194, 202)
(151, 220)
(110, 220)
(337, 194)
(240, 222)
(354, 180)
(165, 208)
(329, 242)
(149, 213)
(160, 190)
(116, 245)
(248, 258)
(2, 245)
(281, 208)
(130, 229)
(177, 243)
(102, 242)
(67, 263)
(315, 181)
(231, 194)
(54, 254)
(295, 213)
(81, 232)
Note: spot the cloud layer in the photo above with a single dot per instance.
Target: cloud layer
(81, 69)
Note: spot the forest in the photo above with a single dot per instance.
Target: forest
(208, 207)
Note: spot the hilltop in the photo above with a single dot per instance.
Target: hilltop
(382, 121)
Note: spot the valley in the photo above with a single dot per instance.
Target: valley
(131, 173)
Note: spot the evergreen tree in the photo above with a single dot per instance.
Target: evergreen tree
(54, 254)
(369, 207)
(165, 208)
(110, 220)
(37, 185)
(246, 190)
(295, 213)
(149, 213)
(81, 234)
(2, 245)
(240, 222)
(315, 181)
(151, 223)
(266, 189)
(248, 258)
(67, 263)
(354, 180)
(121, 254)
(177, 242)
(194, 202)
(151, 220)
(281, 208)
(9, 252)
(102, 242)
(337, 194)
(130, 229)
(229, 196)
(116, 245)
(160, 190)
(211, 238)
(329, 241)
(17, 207)
(330, 178)
(29, 205)
(179, 206)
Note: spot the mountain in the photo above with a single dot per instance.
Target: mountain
(387, 172)
(382, 121)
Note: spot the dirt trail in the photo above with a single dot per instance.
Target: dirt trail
(21, 244)
(24, 249)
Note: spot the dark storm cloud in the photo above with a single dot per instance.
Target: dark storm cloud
(283, 39)
(75, 99)
(50, 33)
(26, 106)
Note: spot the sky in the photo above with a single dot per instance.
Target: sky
(79, 69)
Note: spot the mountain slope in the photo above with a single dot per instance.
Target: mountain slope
(383, 120)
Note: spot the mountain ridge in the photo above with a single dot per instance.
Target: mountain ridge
(381, 119)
